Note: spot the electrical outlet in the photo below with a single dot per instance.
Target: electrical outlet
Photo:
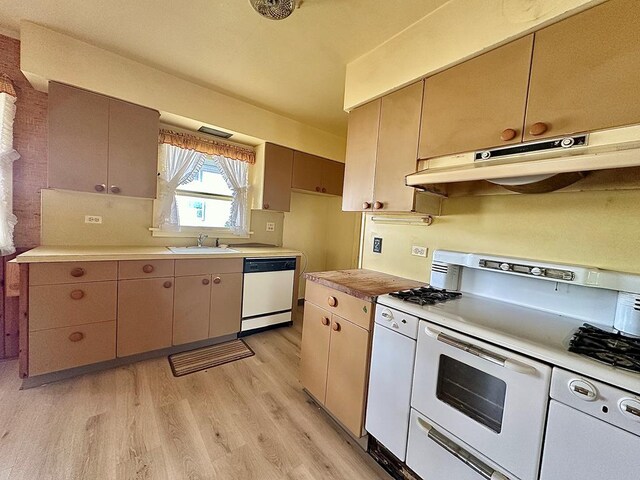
(377, 245)
(419, 251)
(92, 219)
(271, 227)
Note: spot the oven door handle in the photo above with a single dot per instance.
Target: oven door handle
(501, 360)
(461, 454)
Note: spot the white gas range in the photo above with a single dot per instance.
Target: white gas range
(485, 365)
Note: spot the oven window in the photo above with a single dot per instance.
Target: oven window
(475, 393)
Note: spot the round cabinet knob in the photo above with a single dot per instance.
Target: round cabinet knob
(336, 327)
(366, 205)
(505, 267)
(536, 271)
(508, 134)
(77, 294)
(265, 206)
(167, 284)
(378, 205)
(205, 281)
(114, 189)
(147, 268)
(217, 280)
(101, 187)
(318, 189)
(77, 272)
(76, 336)
(324, 190)
(538, 128)
(332, 301)
(325, 321)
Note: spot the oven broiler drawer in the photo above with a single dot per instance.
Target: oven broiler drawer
(490, 398)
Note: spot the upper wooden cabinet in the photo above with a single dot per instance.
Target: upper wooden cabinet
(100, 144)
(278, 169)
(317, 174)
(382, 147)
(585, 69)
(477, 104)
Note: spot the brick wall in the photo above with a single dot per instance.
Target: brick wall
(30, 140)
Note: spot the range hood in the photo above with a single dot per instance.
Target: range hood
(536, 162)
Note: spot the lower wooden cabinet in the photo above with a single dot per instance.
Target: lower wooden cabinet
(226, 304)
(191, 309)
(316, 336)
(145, 315)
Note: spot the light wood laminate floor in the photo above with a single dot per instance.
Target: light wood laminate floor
(246, 420)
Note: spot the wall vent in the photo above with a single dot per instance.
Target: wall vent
(214, 132)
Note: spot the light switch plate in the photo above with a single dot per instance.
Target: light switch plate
(419, 251)
(271, 227)
(92, 219)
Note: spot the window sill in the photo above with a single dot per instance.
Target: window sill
(194, 232)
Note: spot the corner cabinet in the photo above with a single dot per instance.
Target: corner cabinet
(382, 147)
(100, 144)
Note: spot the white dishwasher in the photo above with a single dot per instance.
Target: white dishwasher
(593, 431)
(267, 293)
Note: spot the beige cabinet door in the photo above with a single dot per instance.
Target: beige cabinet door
(332, 177)
(191, 306)
(78, 139)
(397, 149)
(307, 172)
(145, 315)
(316, 333)
(278, 169)
(226, 304)
(360, 163)
(585, 70)
(347, 375)
(477, 104)
(133, 149)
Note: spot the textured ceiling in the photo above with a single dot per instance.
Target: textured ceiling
(295, 67)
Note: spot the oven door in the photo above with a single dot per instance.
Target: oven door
(490, 398)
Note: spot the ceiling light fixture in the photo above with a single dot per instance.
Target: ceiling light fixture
(275, 9)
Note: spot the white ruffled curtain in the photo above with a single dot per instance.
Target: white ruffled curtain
(236, 174)
(177, 167)
(7, 156)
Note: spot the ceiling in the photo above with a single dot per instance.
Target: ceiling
(295, 67)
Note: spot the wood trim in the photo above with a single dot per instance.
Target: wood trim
(23, 322)
(296, 289)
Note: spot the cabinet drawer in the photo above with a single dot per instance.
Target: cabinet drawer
(53, 306)
(145, 269)
(68, 347)
(208, 266)
(71, 272)
(338, 303)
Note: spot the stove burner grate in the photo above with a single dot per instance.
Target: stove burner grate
(612, 348)
(425, 295)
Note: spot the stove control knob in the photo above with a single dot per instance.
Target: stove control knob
(630, 407)
(583, 389)
(536, 271)
(387, 314)
(505, 267)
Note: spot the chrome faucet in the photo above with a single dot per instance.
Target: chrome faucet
(201, 238)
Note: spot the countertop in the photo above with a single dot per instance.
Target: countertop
(103, 253)
(361, 283)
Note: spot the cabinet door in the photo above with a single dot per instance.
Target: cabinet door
(226, 304)
(472, 105)
(278, 169)
(348, 373)
(585, 69)
(191, 305)
(332, 177)
(360, 164)
(307, 172)
(133, 150)
(316, 332)
(145, 314)
(78, 139)
(398, 149)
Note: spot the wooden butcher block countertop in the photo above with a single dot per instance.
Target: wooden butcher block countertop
(362, 283)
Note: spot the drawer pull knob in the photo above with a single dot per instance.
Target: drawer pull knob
(336, 327)
(167, 284)
(325, 321)
(366, 205)
(114, 189)
(265, 206)
(318, 189)
(332, 301)
(147, 268)
(100, 187)
(217, 280)
(538, 128)
(205, 281)
(77, 272)
(324, 190)
(378, 205)
(76, 336)
(508, 134)
(77, 294)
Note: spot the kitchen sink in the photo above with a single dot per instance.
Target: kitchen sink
(201, 250)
